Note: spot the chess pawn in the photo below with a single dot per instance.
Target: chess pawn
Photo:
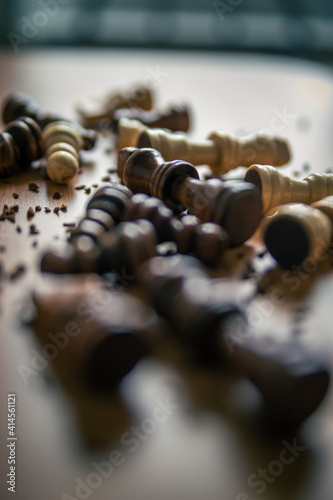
(63, 143)
(121, 250)
(140, 96)
(21, 143)
(278, 188)
(291, 381)
(18, 104)
(296, 233)
(175, 118)
(230, 204)
(220, 151)
(105, 209)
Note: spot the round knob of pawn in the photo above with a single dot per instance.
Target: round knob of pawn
(62, 167)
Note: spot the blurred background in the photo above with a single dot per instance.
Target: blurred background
(303, 28)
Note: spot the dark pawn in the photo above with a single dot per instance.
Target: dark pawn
(235, 205)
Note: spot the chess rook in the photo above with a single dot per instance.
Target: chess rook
(21, 143)
(296, 234)
(220, 151)
(232, 204)
(174, 118)
(18, 104)
(103, 114)
(291, 381)
(121, 250)
(63, 143)
(278, 189)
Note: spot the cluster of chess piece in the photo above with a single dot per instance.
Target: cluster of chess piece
(160, 199)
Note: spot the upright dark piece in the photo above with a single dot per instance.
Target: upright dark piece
(292, 382)
(235, 205)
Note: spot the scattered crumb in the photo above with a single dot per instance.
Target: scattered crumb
(18, 229)
(87, 190)
(14, 208)
(38, 208)
(69, 224)
(106, 178)
(15, 196)
(30, 212)
(33, 229)
(35, 243)
(82, 186)
(33, 187)
(16, 273)
(56, 210)
(57, 195)
(111, 170)
(63, 207)
(47, 210)
(95, 185)
(8, 213)
(262, 254)
(306, 167)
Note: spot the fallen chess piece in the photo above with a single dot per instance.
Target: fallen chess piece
(295, 233)
(292, 381)
(278, 189)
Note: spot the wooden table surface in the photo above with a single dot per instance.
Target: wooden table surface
(213, 455)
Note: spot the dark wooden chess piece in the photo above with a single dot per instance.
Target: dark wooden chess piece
(174, 118)
(235, 205)
(21, 143)
(291, 381)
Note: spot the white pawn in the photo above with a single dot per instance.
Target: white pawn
(63, 143)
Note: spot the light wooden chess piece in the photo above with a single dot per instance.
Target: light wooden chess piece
(278, 188)
(63, 143)
(128, 133)
(220, 151)
(93, 116)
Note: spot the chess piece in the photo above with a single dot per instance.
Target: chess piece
(230, 204)
(18, 104)
(93, 339)
(63, 143)
(105, 209)
(174, 118)
(296, 233)
(278, 189)
(220, 151)
(123, 249)
(291, 381)
(140, 96)
(206, 241)
(21, 143)
(128, 131)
